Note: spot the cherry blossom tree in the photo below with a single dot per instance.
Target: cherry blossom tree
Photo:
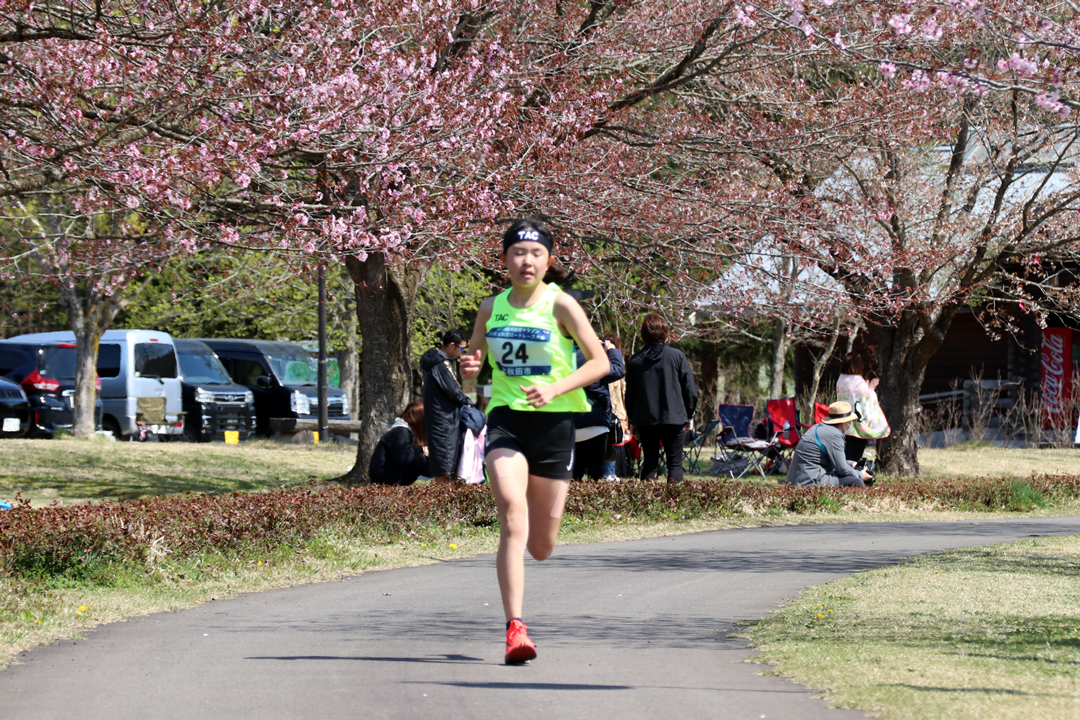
(928, 212)
(381, 136)
(900, 152)
(373, 135)
(678, 138)
(930, 151)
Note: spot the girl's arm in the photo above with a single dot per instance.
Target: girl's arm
(570, 316)
(473, 358)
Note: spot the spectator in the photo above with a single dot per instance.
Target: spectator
(660, 399)
(442, 398)
(617, 395)
(856, 387)
(592, 427)
(819, 456)
(401, 456)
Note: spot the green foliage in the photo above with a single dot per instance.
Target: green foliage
(448, 299)
(1023, 497)
(28, 301)
(250, 295)
(741, 359)
(29, 305)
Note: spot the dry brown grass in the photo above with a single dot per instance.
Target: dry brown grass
(71, 471)
(983, 460)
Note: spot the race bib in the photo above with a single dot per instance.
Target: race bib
(520, 351)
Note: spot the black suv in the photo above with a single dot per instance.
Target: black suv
(281, 375)
(46, 372)
(14, 410)
(213, 404)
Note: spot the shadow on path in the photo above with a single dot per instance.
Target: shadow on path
(440, 660)
(526, 686)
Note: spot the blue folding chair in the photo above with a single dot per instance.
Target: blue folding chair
(739, 453)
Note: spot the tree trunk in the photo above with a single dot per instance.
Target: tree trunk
(708, 389)
(904, 350)
(89, 317)
(898, 454)
(781, 343)
(819, 369)
(385, 299)
(789, 273)
(86, 354)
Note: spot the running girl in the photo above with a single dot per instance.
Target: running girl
(529, 331)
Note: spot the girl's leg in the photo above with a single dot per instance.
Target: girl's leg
(530, 510)
(508, 472)
(547, 499)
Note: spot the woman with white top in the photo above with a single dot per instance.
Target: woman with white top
(854, 388)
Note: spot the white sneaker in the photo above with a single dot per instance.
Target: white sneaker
(610, 478)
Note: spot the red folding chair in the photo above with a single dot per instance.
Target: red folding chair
(784, 417)
(821, 411)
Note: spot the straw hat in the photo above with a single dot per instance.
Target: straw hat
(839, 412)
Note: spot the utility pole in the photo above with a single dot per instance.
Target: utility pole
(324, 415)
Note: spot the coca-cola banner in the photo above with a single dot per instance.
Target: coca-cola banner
(1057, 378)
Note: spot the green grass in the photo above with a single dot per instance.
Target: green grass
(71, 471)
(990, 632)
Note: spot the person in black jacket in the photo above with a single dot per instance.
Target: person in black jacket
(660, 399)
(442, 398)
(400, 457)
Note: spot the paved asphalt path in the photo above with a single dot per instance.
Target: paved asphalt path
(624, 630)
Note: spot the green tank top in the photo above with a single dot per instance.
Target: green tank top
(525, 347)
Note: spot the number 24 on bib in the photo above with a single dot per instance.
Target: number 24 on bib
(520, 351)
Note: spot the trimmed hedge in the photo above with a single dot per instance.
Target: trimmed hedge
(140, 535)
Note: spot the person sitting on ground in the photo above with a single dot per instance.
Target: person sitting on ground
(401, 455)
(442, 398)
(819, 456)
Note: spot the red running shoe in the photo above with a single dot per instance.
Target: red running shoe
(519, 648)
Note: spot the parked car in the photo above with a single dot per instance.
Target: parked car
(14, 410)
(213, 403)
(140, 389)
(46, 373)
(282, 376)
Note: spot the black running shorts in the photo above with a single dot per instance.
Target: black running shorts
(546, 439)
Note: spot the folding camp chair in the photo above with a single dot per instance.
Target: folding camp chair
(739, 453)
(784, 418)
(821, 411)
(693, 443)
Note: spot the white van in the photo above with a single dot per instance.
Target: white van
(140, 387)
